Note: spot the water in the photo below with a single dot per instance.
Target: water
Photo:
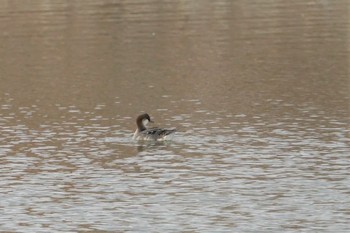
(258, 90)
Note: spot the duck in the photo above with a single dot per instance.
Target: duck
(151, 134)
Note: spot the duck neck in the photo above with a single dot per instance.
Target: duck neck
(140, 125)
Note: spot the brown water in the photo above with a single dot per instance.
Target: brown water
(259, 91)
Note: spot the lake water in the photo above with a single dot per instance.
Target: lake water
(258, 90)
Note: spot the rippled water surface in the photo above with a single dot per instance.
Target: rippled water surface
(258, 90)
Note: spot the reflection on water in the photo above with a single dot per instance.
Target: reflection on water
(257, 90)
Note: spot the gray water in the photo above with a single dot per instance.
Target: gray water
(258, 90)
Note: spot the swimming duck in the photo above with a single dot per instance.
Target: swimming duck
(150, 134)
